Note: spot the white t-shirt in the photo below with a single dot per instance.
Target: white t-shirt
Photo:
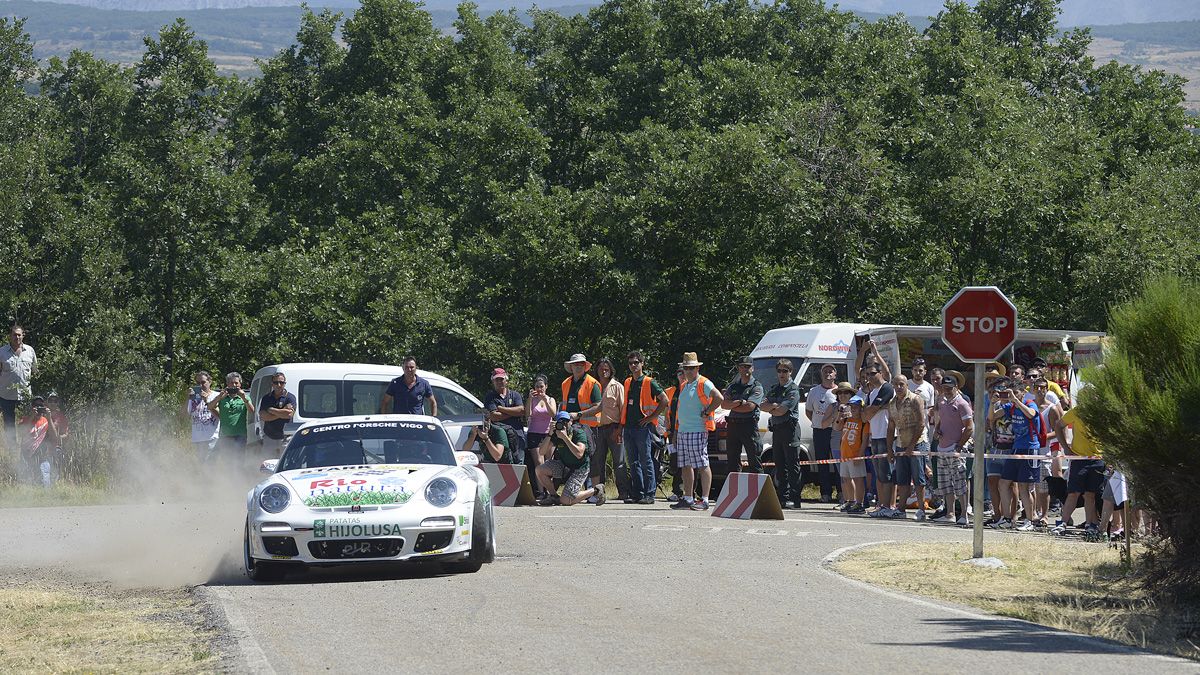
(205, 424)
(879, 423)
(925, 391)
(818, 402)
(15, 371)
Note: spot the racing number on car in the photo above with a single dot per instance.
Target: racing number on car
(356, 547)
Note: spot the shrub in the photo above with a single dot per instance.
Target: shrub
(1144, 410)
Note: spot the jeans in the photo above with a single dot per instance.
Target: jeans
(742, 434)
(822, 449)
(641, 467)
(787, 462)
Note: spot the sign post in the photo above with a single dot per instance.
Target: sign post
(979, 324)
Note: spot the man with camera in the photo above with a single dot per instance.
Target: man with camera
(276, 409)
(570, 464)
(506, 408)
(34, 430)
(495, 442)
(233, 406)
(205, 423)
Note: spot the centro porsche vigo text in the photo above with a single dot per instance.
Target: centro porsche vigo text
(375, 488)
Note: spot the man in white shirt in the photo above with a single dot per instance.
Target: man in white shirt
(18, 365)
(819, 406)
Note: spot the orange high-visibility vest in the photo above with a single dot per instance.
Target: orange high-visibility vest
(645, 399)
(585, 395)
(710, 421)
(672, 422)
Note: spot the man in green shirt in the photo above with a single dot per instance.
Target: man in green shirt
(570, 464)
(495, 446)
(234, 407)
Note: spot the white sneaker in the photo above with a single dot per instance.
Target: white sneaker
(1026, 526)
(920, 515)
(962, 520)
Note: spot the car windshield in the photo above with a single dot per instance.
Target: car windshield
(367, 442)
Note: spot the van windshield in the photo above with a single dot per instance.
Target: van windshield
(764, 369)
(366, 443)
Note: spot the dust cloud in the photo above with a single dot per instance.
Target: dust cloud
(174, 521)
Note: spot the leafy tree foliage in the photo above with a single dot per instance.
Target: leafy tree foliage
(666, 175)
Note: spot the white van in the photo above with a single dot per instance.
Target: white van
(336, 389)
(810, 346)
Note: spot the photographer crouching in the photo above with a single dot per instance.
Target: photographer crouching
(570, 464)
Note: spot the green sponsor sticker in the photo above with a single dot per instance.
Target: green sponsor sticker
(319, 528)
(361, 498)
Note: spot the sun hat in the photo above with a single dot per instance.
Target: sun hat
(691, 360)
(844, 388)
(577, 358)
(959, 378)
(499, 372)
(998, 367)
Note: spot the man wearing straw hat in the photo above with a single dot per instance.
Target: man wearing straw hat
(698, 398)
(581, 395)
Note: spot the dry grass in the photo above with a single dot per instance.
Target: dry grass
(65, 629)
(1068, 585)
(21, 495)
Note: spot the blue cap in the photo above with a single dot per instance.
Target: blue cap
(856, 399)
(562, 415)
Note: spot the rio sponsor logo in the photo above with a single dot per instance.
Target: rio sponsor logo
(360, 498)
(332, 528)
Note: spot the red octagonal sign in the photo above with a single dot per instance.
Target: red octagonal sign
(979, 324)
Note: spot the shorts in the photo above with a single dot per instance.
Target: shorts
(573, 482)
(854, 468)
(692, 447)
(881, 465)
(1086, 475)
(911, 470)
(1023, 470)
(1043, 487)
(995, 467)
(951, 474)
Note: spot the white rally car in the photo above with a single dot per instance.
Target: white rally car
(369, 488)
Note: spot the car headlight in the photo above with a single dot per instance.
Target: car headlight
(274, 499)
(441, 492)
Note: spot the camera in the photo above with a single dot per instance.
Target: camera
(231, 391)
(42, 409)
(487, 424)
(559, 425)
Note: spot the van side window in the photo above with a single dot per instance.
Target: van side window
(365, 397)
(319, 398)
(812, 375)
(454, 407)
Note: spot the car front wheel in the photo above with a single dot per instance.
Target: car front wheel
(481, 543)
(259, 570)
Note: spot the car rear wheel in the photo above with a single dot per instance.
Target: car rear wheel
(482, 543)
(259, 570)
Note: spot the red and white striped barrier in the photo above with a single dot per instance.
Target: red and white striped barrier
(748, 495)
(510, 484)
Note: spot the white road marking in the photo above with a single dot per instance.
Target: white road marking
(1092, 642)
(252, 652)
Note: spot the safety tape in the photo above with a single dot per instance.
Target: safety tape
(965, 455)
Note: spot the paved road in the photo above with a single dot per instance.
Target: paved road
(637, 588)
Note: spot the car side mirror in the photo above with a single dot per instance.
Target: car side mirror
(268, 466)
(467, 458)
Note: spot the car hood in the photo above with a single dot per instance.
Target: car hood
(379, 484)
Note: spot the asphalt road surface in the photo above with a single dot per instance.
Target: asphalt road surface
(576, 589)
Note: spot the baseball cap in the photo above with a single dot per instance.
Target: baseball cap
(949, 380)
(562, 415)
(856, 399)
(499, 372)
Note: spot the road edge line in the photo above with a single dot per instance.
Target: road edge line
(253, 656)
(826, 565)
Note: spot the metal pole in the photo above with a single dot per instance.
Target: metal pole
(978, 473)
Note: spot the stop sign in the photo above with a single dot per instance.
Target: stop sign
(979, 324)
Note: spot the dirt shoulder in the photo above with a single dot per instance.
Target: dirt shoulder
(51, 622)
(1074, 586)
